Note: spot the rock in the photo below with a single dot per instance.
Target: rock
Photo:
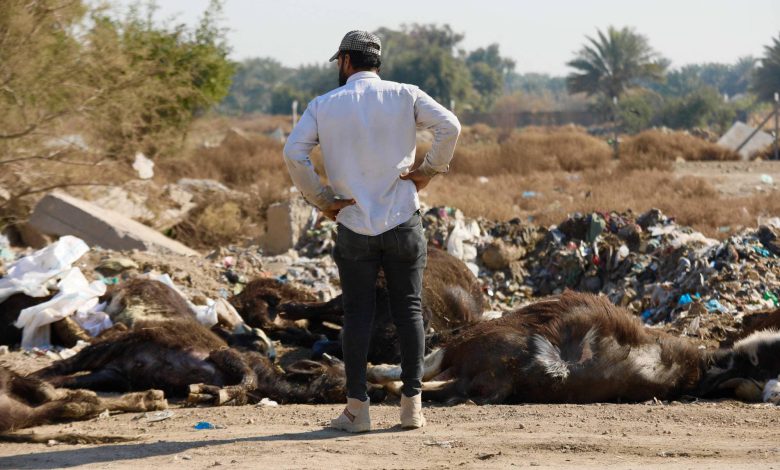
(286, 224)
(499, 255)
(61, 214)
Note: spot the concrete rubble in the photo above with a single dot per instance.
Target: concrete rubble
(737, 134)
(61, 214)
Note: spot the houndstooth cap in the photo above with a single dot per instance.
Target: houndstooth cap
(361, 41)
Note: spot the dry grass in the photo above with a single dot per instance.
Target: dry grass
(529, 150)
(659, 150)
(692, 201)
(568, 169)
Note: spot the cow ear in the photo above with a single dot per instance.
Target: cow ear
(754, 359)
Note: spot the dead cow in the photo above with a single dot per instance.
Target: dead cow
(451, 298)
(27, 402)
(167, 349)
(580, 348)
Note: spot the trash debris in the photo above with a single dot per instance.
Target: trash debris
(33, 274)
(74, 293)
(767, 179)
(158, 416)
(204, 425)
(267, 402)
(143, 166)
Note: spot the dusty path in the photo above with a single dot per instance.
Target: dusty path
(701, 435)
(734, 178)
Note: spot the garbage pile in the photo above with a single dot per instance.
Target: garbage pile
(647, 263)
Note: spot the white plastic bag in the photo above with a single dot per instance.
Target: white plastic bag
(32, 274)
(74, 294)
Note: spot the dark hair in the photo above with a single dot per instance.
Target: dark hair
(363, 60)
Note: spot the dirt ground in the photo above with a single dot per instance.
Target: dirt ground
(734, 178)
(675, 435)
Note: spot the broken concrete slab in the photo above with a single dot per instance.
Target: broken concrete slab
(737, 134)
(286, 223)
(61, 214)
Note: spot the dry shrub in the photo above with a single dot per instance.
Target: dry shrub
(654, 149)
(532, 150)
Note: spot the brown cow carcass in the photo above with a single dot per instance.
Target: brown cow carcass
(165, 348)
(28, 401)
(580, 348)
(451, 299)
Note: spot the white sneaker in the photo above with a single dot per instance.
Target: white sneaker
(354, 418)
(411, 412)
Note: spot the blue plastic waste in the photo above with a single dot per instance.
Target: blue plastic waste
(713, 305)
(204, 425)
(686, 299)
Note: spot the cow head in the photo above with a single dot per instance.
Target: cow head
(745, 370)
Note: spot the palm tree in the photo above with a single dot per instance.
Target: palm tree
(766, 81)
(614, 62)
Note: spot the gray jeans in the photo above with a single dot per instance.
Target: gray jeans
(402, 253)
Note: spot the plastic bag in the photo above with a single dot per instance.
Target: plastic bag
(32, 274)
(74, 294)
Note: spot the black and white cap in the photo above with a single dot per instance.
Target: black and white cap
(361, 41)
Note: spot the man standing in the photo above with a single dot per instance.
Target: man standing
(366, 129)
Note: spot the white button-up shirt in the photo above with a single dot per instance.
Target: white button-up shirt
(367, 132)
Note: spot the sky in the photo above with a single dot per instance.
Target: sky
(541, 36)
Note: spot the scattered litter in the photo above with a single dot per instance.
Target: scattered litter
(143, 166)
(767, 179)
(204, 425)
(4, 350)
(529, 194)
(74, 293)
(158, 416)
(104, 415)
(443, 444)
(267, 402)
(35, 273)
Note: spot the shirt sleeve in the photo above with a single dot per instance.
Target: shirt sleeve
(445, 126)
(297, 153)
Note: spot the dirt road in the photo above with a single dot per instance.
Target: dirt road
(702, 435)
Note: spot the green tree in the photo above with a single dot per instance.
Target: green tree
(766, 81)
(425, 55)
(704, 107)
(488, 74)
(613, 63)
(252, 86)
(184, 72)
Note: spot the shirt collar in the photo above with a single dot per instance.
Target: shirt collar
(362, 76)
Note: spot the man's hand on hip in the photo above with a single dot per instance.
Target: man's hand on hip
(333, 210)
(418, 178)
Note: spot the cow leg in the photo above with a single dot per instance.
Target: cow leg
(35, 391)
(103, 380)
(384, 373)
(330, 311)
(235, 369)
(150, 400)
